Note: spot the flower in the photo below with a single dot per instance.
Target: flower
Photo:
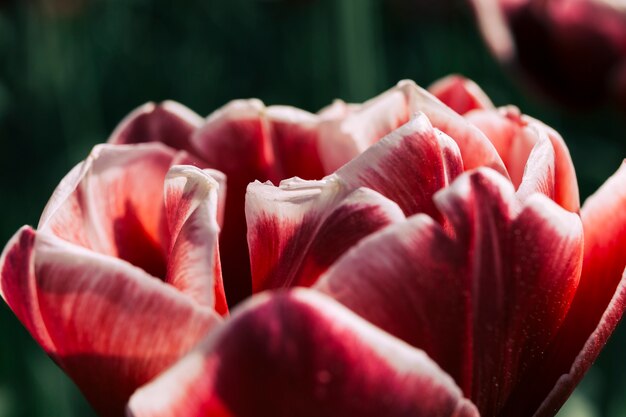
(572, 49)
(441, 262)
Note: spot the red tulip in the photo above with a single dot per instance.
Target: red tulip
(575, 50)
(451, 232)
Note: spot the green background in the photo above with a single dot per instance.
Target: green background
(71, 69)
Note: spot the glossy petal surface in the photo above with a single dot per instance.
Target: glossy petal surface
(109, 325)
(301, 354)
(112, 203)
(191, 207)
(596, 309)
(515, 136)
(482, 299)
(248, 141)
(296, 231)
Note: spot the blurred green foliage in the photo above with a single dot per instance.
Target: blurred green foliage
(70, 70)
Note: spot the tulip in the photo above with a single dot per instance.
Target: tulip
(575, 50)
(442, 262)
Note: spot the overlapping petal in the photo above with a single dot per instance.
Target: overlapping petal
(298, 230)
(109, 325)
(460, 94)
(483, 299)
(248, 141)
(532, 167)
(191, 206)
(168, 122)
(343, 139)
(299, 353)
(112, 203)
(596, 309)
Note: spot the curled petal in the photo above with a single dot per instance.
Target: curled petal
(169, 122)
(596, 308)
(484, 298)
(301, 354)
(460, 94)
(113, 203)
(191, 208)
(296, 231)
(295, 135)
(248, 141)
(342, 139)
(408, 166)
(515, 136)
(109, 325)
(475, 148)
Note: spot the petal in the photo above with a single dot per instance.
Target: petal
(191, 208)
(460, 94)
(408, 166)
(476, 149)
(109, 325)
(301, 354)
(596, 308)
(113, 203)
(296, 231)
(343, 138)
(292, 227)
(295, 135)
(514, 136)
(482, 299)
(247, 142)
(168, 122)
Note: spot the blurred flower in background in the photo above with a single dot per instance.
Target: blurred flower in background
(573, 50)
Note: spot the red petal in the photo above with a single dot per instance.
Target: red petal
(343, 138)
(514, 136)
(408, 166)
(113, 203)
(475, 148)
(169, 122)
(301, 354)
(295, 135)
(482, 302)
(109, 325)
(191, 209)
(296, 231)
(248, 142)
(460, 94)
(596, 308)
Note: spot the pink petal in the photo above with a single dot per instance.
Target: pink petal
(301, 354)
(168, 122)
(248, 142)
(596, 309)
(343, 138)
(295, 135)
(408, 166)
(460, 94)
(515, 136)
(482, 299)
(109, 325)
(191, 208)
(113, 203)
(292, 229)
(296, 231)
(476, 149)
